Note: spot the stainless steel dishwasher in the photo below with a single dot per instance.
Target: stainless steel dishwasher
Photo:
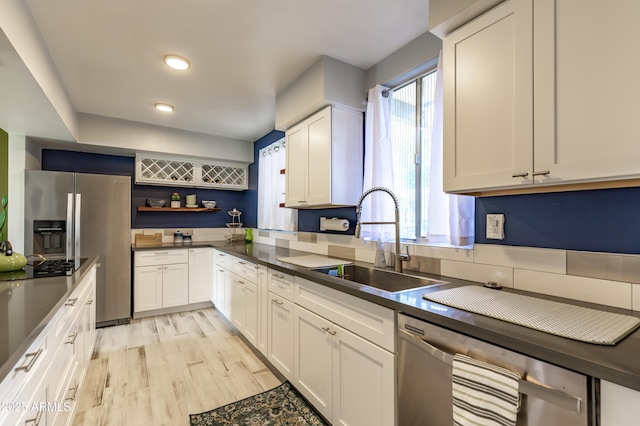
(550, 395)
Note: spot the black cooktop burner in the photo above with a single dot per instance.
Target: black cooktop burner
(42, 269)
(53, 268)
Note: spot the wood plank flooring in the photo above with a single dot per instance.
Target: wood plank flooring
(157, 371)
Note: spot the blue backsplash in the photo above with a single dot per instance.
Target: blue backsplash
(605, 220)
(596, 220)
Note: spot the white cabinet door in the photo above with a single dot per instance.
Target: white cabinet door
(251, 312)
(175, 285)
(296, 166)
(219, 290)
(200, 274)
(586, 115)
(147, 288)
(318, 186)
(618, 404)
(263, 310)
(238, 303)
(281, 329)
(313, 360)
(488, 100)
(364, 382)
(323, 152)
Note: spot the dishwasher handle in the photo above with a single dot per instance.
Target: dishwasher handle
(550, 395)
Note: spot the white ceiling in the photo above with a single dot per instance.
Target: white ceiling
(109, 53)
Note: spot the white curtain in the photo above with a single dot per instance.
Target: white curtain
(450, 218)
(378, 165)
(271, 182)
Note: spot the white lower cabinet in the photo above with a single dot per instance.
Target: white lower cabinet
(263, 309)
(349, 380)
(175, 285)
(200, 274)
(42, 387)
(222, 290)
(161, 280)
(281, 334)
(618, 404)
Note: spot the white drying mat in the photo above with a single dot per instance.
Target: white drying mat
(562, 319)
(314, 261)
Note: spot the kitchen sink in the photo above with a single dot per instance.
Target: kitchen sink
(389, 281)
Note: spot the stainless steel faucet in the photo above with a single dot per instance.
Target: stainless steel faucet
(404, 257)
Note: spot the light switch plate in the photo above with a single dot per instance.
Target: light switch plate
(495, 226)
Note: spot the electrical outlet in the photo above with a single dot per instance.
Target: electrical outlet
(495, 226)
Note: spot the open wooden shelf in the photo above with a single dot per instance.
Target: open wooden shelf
(176, 209)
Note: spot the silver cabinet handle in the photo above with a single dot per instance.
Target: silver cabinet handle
(516, 175)
(36, 420)
(242, 263)
(71, 302)
(328, 330)
(75, 392)
(72, 339)
(89, 302)
(277, 302)
(34, 356)
(542, 173)
(551, 395)
(278, 276)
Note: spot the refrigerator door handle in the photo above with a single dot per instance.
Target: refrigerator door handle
(76, 229)
(69, 241)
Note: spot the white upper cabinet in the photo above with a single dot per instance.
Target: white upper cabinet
(488, 100)
(324, 159)
(175, 171)
(586, 69)
(540, 95)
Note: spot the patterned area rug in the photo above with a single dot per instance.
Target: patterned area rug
(279, 406)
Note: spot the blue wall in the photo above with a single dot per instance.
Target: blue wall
(606, 220)
(80, 162)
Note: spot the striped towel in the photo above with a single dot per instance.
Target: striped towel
(484, 394)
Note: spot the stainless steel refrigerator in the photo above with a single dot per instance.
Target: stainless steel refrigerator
(77, 215)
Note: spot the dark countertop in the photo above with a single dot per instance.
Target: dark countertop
(617, 364)
(27, 306)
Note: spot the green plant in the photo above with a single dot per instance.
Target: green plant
(3, 216)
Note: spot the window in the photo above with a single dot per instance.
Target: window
(412, 110)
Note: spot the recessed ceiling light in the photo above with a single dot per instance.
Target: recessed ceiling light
(177, 62)
(164, 107)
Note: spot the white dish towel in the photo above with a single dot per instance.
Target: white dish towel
(484, 394)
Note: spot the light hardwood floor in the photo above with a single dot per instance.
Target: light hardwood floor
(157, 371)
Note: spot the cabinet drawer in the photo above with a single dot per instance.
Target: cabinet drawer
(67, 313)
(27, 372)
(224, 260)
(246, 270)
(281, 284)
(161, 257)
(366, 319)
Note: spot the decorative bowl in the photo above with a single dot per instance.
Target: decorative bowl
(208, 204)
(155, 203)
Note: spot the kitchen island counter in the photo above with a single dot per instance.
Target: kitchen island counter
(27, 306)
(617, 364)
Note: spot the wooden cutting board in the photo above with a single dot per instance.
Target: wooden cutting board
(314, 261)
